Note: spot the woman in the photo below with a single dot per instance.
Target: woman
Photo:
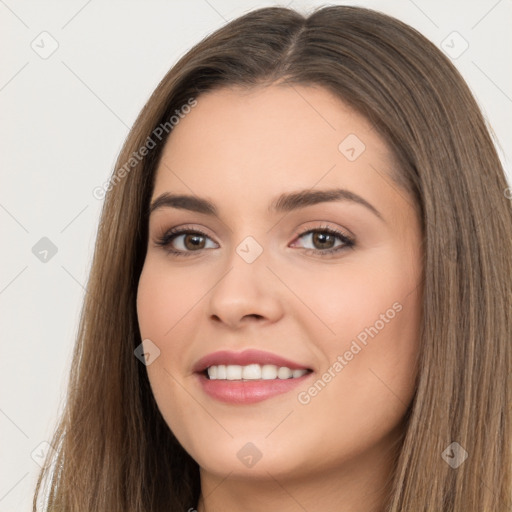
(300, 291)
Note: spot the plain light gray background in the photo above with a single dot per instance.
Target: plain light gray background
(65, 116)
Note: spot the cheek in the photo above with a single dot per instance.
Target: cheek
(369, 334)
(164, 297)
(165, 310)
(343, 300)
(165, 301)
(362, 393)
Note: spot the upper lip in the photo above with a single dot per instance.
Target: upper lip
(244, 358)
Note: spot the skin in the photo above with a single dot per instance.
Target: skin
(241, 149)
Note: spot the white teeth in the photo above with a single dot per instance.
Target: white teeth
(253, 372)
(268, 372)
(221, 371)
(233, 372)
(212, 372)
(284, 373)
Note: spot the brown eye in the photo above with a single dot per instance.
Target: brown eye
(184, 242)
(323, 240)
(194, 241)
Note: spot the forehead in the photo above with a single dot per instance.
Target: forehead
(242, 144)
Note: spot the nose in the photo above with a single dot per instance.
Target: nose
(246, 293)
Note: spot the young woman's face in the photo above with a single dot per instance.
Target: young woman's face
(307, 257)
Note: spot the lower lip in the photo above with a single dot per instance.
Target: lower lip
(248, 391)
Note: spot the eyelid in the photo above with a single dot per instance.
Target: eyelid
(173, 233)
(348, 240)
(325, 227)
(165, 240)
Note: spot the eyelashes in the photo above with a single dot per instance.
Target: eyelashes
(347, 242)
(170, 236)
(321, 234)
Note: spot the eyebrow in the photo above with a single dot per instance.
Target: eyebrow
(284, 203)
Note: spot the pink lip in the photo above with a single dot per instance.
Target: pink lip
(246, 392)
(250, 356)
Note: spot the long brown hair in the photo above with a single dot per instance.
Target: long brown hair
(113, 450)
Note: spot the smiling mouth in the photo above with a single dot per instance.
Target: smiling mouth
(253, 372)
